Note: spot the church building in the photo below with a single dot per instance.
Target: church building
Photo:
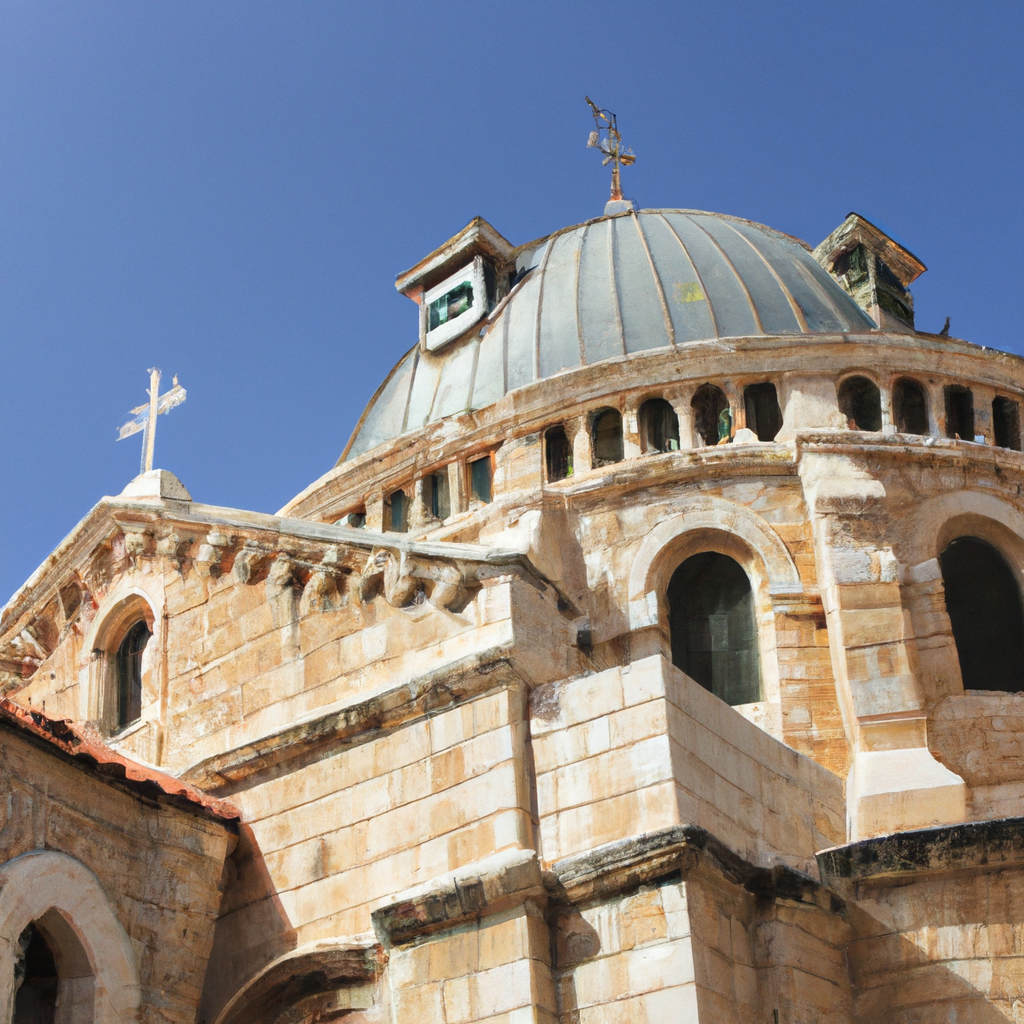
(653, 654)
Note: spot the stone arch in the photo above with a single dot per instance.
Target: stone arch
(124, 606)
(938, 520)
(99, 981)
(925, 533)
(722, 524)
(308, 975)
(726, 527)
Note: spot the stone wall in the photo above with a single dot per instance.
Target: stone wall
(632, 750)
(155, 867)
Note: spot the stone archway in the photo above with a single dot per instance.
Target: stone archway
(98, 980)
(313, 980)
(662, 547)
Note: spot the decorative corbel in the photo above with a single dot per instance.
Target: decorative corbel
(136, 540)
(321, 590)
(211, 553)
(246, 561)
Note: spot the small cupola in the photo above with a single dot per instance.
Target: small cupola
(458, 284)
(874, 269)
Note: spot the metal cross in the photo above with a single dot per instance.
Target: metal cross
(611, 145)
(144, 416)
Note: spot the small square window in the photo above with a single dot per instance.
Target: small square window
(453, 306)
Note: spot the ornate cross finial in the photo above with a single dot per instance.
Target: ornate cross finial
(144, 416)
(610, 145)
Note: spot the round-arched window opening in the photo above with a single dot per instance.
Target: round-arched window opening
(711, 420)
(714, 627)
(909, 407)
(860, 402)
(984, 604)
(607, 434)
(659, 426)
(129, 673)
(557, 453)
(761, 403)
(35, 979)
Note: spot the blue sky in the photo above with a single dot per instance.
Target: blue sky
(227, 190)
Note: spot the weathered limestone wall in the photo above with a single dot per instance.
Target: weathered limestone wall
(941, 949)
(159, 868)
(632, 750)
(326, 843)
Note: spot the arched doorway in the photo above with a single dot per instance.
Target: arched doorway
(714, 627)
(35, 979)
(985, 610)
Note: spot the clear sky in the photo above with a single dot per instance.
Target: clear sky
(227, 190)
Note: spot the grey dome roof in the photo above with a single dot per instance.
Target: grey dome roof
(612, 287)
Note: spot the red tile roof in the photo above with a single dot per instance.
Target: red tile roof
(83, 745)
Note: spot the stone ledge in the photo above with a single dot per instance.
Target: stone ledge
(327, 733)
(627, 863)
(972, 845)
(506, 879)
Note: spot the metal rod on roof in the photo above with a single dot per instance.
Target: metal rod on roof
(610, 145)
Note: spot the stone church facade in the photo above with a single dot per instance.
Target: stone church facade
(653, 653)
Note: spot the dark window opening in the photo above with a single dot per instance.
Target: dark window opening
(659, 426)
(984, 605)
(1006, 422)
(490, 286)
(711, 419)
(129, 674)
(764, 417)
(557, 453)
(440, 500)
(910, 407)
(860, 402)
(35, 979)
(480, 479)
(607, 435)
(398, 517)
(959, 412)
(714, 628)
(450, 305)
(355, 519)
(853, 264)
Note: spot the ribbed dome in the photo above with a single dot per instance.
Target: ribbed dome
(612, 287)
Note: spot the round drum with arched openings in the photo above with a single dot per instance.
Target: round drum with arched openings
(985, 610)
(714, 628)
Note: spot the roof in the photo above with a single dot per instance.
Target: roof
(73, 740)
(609, 288)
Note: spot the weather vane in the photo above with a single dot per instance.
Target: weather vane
(610, 145)
(144, 416)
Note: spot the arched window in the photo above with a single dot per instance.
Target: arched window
(713, 627)
(35, 980)
(711, 420)
(860, 402)
(659, 426)
(129, 673)
(984, 604)
(607, 434)
(1006, 422)
(764, 417)
(557, 453)
(959, 412)
(909, 407)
